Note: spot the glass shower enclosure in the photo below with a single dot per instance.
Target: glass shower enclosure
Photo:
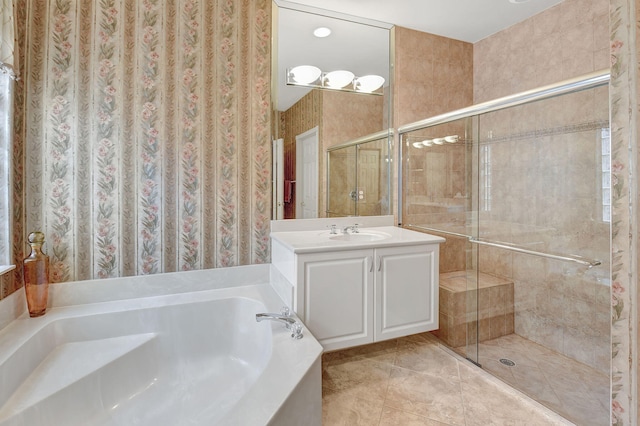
(520, 188)
(359, 176)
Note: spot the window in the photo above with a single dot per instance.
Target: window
(7, 77)
(605, 141)
(6, 125)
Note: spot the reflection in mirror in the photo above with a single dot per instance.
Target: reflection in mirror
(339, 116)
(359, 177)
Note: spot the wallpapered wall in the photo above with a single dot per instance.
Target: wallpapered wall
(302, 116)
(146, 138)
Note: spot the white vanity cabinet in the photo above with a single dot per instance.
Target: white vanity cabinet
(354, 297)
(351, 289)
(406, 290)
(334, 297)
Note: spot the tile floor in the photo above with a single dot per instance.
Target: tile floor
(415, 380)
(576, 391)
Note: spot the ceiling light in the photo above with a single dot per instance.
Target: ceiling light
(305, 74)
(518, 1)
(338, 79)
(368, 83)
(321, 32)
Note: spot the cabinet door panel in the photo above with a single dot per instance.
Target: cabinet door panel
(338, 298)
(406, 291)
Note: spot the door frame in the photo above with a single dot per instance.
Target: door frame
(278, 179)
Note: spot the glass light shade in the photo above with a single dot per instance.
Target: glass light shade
(427, 142)
(451, 139)
(322, 32)
(338, 79)
(418, 145)
(369, 83)
(305, 74)
(438, 141)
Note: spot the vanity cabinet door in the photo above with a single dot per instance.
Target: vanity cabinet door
(406, 289)
(336, 301)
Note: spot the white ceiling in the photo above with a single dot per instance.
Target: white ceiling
(363, 49)
(466, 20)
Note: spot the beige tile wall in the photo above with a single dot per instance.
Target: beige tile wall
(433, 75)
(365, 117)
(562, 42)
(546, 189)
(326, 109)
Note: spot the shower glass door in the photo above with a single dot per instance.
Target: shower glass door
(523, 197)
(341, 182)
(544, 239)
(358, 177)
(438, 177)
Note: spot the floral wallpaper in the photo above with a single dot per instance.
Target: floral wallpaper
(145, 140)
(624, 179)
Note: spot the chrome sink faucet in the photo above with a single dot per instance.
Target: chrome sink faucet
(353, 228)
(285, 318)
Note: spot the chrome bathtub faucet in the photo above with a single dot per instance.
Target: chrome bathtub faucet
(285, 318)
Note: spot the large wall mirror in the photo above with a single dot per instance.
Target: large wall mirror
(311, 121)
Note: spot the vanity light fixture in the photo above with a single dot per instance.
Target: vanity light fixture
(304, 74)
(311, 76)
(322, 32)
(338, 79)
(436, 141)
(368, 83)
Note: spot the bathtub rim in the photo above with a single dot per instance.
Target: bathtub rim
(267, 395)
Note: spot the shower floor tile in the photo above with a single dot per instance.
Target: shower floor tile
(574, 390)
(416, 380)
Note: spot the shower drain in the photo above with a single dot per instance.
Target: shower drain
(507, 362)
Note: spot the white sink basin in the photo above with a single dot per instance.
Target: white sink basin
(361, 236)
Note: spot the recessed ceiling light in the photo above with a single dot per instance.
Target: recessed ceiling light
(518, 1)
(321, 32)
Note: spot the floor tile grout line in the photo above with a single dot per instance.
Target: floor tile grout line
(386, 391)
(462, 399)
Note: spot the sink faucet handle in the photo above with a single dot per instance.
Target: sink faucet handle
(334, 228)
(285, 311)
(355, 228)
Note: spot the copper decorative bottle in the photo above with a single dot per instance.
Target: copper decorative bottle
(36, 276)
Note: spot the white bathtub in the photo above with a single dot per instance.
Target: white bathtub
(117, 352)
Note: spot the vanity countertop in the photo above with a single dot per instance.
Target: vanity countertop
(380, 236)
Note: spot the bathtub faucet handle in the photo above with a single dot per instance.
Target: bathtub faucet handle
(296, 331)
(285, 311)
